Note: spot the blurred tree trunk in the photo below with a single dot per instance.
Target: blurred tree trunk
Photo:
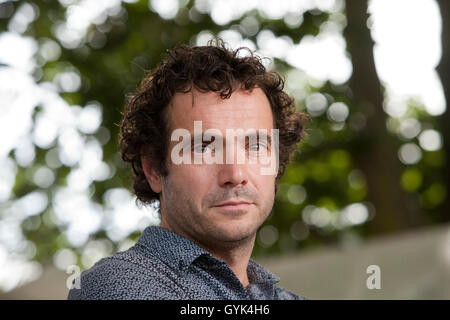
(377, 155)
(444, 73)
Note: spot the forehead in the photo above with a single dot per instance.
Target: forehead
(243, 110)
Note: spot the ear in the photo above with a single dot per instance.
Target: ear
(153, 178)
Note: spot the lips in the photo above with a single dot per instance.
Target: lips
(232, 203)
(234, 207)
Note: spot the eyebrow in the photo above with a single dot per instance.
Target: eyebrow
(252, 135)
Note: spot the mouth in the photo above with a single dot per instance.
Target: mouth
(234, 205)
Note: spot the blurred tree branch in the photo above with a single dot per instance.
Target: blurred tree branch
(378, 159)
(443, 70)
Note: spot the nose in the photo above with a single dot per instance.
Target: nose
(232, 175)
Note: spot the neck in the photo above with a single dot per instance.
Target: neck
(236, 254)
(237, 258)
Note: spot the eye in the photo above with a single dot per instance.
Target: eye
(256, 147)
(202, 148)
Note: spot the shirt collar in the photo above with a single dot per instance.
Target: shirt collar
(174, 250)
(258, 274)
(179, 253)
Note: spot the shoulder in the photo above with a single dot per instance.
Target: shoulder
(124, 276)
(283, 294)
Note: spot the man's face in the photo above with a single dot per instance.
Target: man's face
(191, 193)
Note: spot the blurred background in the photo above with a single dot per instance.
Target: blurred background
(368, 186)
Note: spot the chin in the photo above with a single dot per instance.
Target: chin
(233, 232)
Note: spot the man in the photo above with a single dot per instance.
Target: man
(211, 204)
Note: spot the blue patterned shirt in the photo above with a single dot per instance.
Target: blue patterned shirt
(165, 265)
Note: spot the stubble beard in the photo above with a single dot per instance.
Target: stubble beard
(200, 227)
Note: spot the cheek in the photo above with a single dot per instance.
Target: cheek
(194, 180)
(191, 172)
(265, 184)
(268, 185)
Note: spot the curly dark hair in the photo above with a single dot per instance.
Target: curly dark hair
(205, 68)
